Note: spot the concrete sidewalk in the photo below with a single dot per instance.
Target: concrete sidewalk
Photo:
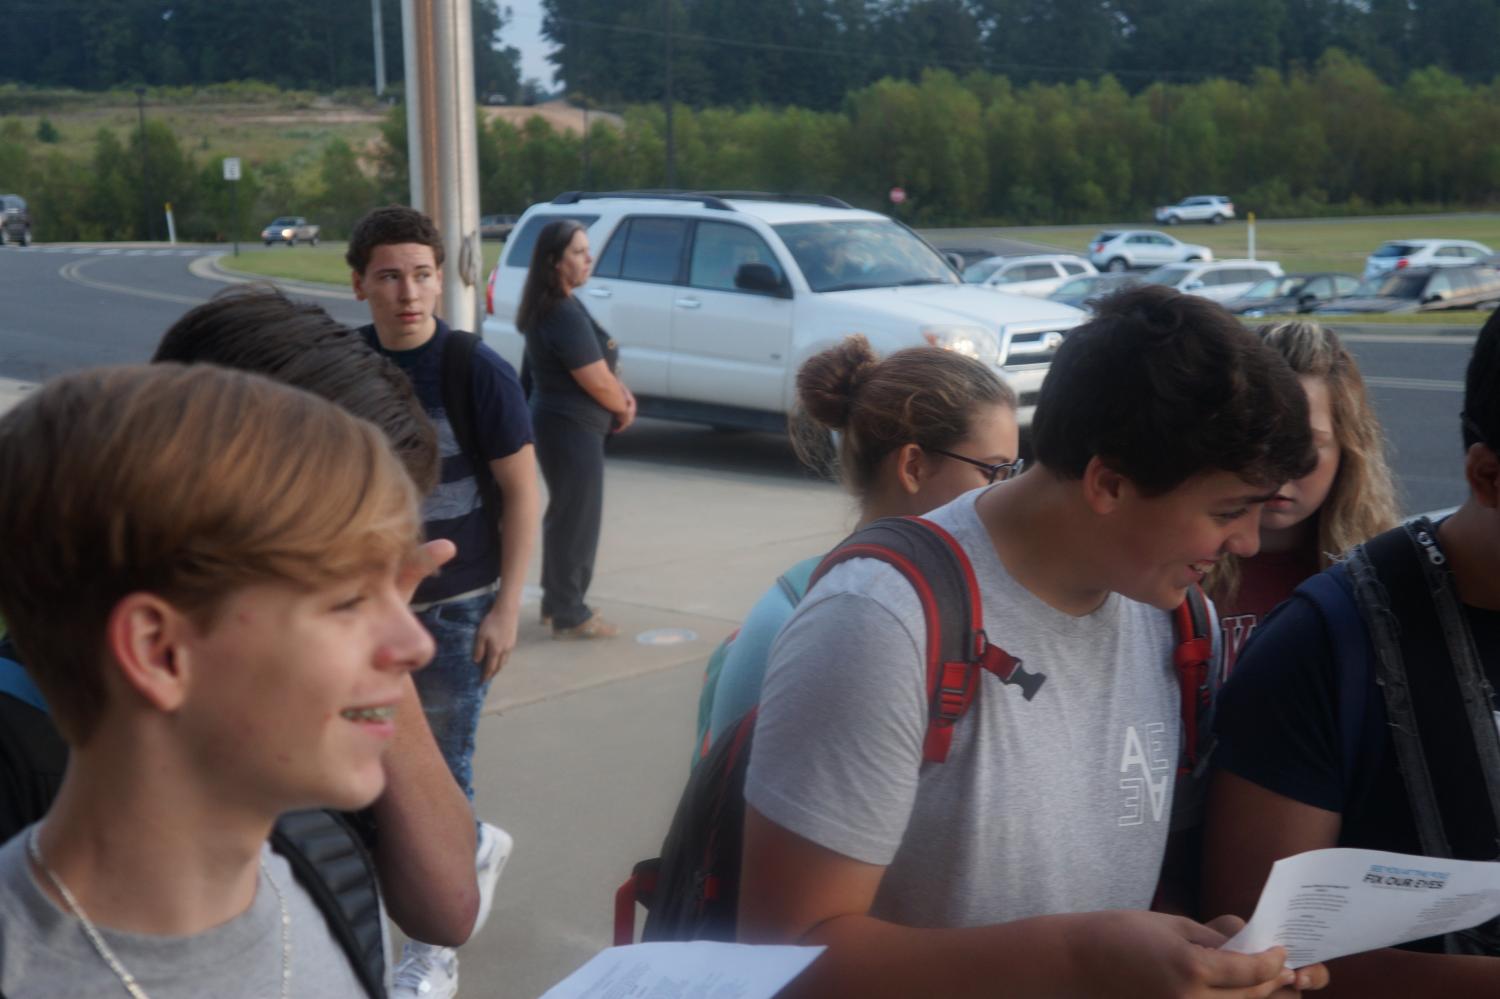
(584, 746)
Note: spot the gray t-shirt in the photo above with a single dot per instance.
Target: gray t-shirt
(44, 953)
(1058, 804)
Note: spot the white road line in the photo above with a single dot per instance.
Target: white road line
(1415, 384)
(73, 272)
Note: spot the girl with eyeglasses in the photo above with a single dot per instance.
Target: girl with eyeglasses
(915, 430)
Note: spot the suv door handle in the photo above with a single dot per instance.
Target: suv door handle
(687, 303)
(599, 292)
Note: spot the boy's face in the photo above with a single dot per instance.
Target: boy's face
(1169, 542)
(293, 691)
(402, 283)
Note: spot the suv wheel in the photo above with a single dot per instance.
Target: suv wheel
(26, 236)
(1117, 265)
(1173, 219)
(1215, 219)
(4, 234)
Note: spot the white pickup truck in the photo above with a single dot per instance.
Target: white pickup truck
(717, 299)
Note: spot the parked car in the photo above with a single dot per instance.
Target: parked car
(716, 300)
(1133, 249)
(1211, 208)
(1399, 254)
(1081, 292)
(964, 257)
(1293, 293)
(1037, 274)
(496, 226)
(290, 229)
(1421, 289)
(1220, 281)
(15, 220)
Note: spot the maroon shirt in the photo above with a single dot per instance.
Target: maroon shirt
(1265, 581)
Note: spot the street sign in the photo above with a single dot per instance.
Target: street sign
(898, 195)
(231, 168)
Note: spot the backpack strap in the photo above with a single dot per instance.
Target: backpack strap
(939, 571)
(458, 403)
(1195, 648)
(332, 865)
(1331, 595)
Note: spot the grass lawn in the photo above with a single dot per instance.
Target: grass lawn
(1298, 245)
(322, 263)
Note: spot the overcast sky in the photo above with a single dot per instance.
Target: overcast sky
(524, 31)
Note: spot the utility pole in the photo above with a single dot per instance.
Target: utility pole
(140, 103)
(379, 48)
(671, 139)
(441, 134)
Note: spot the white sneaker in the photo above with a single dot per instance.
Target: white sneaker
(425, 972)
(489, 860)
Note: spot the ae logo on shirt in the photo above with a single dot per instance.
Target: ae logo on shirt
(1147, 772)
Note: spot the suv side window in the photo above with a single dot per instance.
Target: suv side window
(521, 243)
(1071, 268)
(1449, 251)
(608, 265)
(653, 251)
(719, 249)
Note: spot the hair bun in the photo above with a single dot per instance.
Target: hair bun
(829, 381)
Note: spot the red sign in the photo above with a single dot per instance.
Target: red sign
(898, 195)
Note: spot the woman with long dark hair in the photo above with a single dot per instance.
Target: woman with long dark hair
(577, 400)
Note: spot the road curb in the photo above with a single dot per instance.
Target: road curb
(210, 269)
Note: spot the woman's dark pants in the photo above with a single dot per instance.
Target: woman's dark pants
(572, 460)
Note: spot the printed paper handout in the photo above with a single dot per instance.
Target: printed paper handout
(698, 970)
(1328, 903)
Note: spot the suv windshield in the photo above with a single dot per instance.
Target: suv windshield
(977, 273)
(863, 253)
(1282, 287)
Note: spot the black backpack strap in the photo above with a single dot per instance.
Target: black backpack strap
(332, 866)
(935, 565)
(458, 402)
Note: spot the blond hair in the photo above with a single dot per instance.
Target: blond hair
(186, 482)
(1362, 501)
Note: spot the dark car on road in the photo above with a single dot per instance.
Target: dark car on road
(1080, 291)
(1293, 293)
(1421, 289)
(15, 220)
(496, 226)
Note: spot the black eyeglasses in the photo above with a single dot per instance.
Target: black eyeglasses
(993, 473)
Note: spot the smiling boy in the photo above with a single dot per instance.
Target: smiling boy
(1029, 857)
(201, 573)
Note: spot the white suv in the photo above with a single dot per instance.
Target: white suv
(1219, 281)
(1212, 208)
(1397, 254)
(1116, 250)
(716, 300)
(1038, 274)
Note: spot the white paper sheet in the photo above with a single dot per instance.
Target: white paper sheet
(698, 970)
(1328, 903)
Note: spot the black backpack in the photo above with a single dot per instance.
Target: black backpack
(1391, 603)
(458, 402)
(691, 891)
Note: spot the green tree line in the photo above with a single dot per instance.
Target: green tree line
(1334, 139)
(810, 53)
(93, 45)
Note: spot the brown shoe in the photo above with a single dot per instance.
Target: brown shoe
(594, 627)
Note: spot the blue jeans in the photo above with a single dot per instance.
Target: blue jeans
(449, 686)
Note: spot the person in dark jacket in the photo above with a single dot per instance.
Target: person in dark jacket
(577, 400)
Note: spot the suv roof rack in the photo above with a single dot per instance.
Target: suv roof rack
(709, 199)
(824, 200)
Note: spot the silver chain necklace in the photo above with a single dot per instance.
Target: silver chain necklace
(126, 978)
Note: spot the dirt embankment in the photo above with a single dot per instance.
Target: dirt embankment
(563, 117)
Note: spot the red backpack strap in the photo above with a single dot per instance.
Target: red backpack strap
(1195, 647)
(939, 571)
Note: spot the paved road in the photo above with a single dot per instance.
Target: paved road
(583, 747)
(70, 307)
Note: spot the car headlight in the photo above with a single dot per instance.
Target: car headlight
(970, 341)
